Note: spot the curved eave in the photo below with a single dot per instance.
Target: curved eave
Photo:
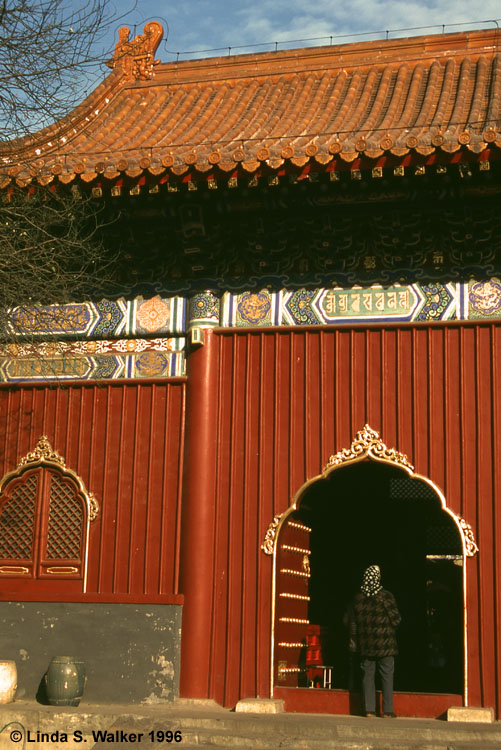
(47, 146)
(106, 176)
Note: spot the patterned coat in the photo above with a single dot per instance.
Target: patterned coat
(375, 619)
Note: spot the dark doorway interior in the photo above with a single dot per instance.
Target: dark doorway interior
(371, 512)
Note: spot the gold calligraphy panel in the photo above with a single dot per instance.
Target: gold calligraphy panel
(375, 302)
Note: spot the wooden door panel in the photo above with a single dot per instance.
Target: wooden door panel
(42, 524)
(18, 527)
(291, 604)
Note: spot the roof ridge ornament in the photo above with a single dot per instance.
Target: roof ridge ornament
(136, 58)
(368, 443)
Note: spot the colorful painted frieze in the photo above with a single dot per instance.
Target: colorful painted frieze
(156, 315)
(203, 310)
(92, 360)
(397, 303)
(251, 309)
(484, 299)
(104, 319)
(128, 339)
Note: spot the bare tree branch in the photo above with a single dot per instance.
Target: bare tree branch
(50, 50)
(50, 251)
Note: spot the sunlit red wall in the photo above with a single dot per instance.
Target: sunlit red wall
(264, 411)
(126, 443)
(281, 402)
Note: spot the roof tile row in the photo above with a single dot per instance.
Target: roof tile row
(421, 95)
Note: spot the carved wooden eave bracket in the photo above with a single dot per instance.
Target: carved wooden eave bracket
(136, 58)
(368, 443)
(44, 454)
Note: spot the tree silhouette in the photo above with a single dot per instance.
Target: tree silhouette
(51, 51)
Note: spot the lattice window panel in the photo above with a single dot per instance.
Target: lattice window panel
(64, 532)
(17, 521)
(410, 489)
(443, 540)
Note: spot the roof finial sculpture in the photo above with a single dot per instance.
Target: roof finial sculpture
(136, 58)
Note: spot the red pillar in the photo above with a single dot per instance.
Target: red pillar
(198, 518)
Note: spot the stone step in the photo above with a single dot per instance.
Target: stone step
(289, 742)
(221, 729)
(301, 732)
(210, 741)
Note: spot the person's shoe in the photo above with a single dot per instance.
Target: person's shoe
(390, 715)
(370, 715)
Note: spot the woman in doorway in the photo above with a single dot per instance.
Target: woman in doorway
(376, 617)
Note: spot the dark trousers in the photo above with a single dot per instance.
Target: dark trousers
(385, 666)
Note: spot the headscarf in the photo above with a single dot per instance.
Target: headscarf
(371, 581)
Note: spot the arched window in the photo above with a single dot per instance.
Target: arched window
(45, 512)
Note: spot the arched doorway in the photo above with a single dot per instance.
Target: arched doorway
(369, 506)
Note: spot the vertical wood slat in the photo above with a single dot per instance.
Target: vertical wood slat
(236, 510)
(107, 517)
(172, 468)
(389, 388)
(495, 357)
(126, 460)
(420, 387)
(343, 385)
(266, 500)
(469, 495)
(154, 483)
(436, 419)
(405, 389)
(282, 416)
(485, 462)
(139, 509)
(250, 602)
(420, 399)
(104, 433)
(221, 540)
(374, 379)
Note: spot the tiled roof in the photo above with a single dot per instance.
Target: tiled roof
(439, 93)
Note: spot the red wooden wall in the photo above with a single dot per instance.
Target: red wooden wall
(275, 405)
(126, 442)
(282, 402)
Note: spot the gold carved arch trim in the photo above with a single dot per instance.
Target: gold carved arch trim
(368, 444)
(45, 455)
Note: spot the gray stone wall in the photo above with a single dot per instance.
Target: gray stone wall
(131, 651)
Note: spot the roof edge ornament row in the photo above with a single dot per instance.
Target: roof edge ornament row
(136, 58)
(368, 443)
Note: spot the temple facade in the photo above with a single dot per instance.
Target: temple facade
(295, 374)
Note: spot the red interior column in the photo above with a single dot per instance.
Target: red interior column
(197, 518)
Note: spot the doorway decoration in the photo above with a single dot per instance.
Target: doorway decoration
(368, 444)
(268, 544)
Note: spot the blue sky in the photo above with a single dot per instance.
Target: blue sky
(202, 24)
